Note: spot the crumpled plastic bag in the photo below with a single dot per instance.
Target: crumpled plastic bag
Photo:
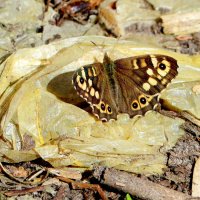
(40, 117)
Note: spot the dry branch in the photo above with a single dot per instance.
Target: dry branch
(133, 185)
(24, 191)
(79, 185)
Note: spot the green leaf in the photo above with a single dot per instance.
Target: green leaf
(128, 197)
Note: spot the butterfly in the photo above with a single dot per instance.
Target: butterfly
(128, 85)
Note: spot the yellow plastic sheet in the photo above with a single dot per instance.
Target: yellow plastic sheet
(38, 118)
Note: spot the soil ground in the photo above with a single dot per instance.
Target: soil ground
(181, 158)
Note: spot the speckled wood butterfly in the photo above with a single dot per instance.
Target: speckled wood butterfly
(128, 85)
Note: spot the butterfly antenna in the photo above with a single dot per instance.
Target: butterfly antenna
(115, 45)
(100, 49)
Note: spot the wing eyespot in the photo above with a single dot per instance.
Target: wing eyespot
(162, 66)
(135, 105)
(143, 100)
(82, 80)
(103, 106)
(109, 110)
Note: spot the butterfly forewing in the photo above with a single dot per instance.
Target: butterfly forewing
(149, 73)
(92, 85)
(128, 85)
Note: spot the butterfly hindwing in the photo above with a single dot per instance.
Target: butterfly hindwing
(134, 101)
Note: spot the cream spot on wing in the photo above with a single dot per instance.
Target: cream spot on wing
(135, 65)
(82, 86)
(104, 119)
(90, 72)
(154, 61)
(94, 72)
(92, 91)
(164, 81)
(146, 86)
(83, 74)
(96, 115)
(87, 90)
(162, 72)
(97, 94)
(159, 77)
(150, 72)
(155, 106)
(86, 95)
(90, 82)
(77, 78)
(143, 63)
(152, 81)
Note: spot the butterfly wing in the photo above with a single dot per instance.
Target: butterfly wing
(141, 80)
(92, 84)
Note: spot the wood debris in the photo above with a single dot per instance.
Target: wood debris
(196, 180)
(181, 23)
(81, 185)
(139, 187)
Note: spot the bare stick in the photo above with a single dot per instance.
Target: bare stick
(79, 185)
(24, 191)
(137, 186)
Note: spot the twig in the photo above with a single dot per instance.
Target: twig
(190, 117)
(145, 189)
(24, 191)
(47, 5)
(79, 185)
(66, 172)
(37, 173)
(191, 128)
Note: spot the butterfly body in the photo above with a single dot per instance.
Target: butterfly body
(128, 85)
